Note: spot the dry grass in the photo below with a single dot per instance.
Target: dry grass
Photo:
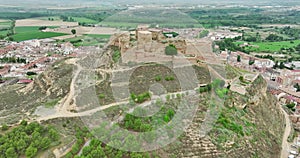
(80, 30)
(37, 22)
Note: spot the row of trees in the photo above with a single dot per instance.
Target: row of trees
(98, 149)
(279, 65)
(291, 32)
(27, 139)
(12, 60)
(81, 135)
(141, 97)
(10, 31)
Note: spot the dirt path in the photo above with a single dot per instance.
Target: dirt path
(65, 104)
(285, 147)
(66, 114)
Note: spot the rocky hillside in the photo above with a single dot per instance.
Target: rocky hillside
(19, 101)
(252, 131)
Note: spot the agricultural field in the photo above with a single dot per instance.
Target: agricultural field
(88, 40)
(161, 17)
(55, 18)
(242, 17)
(4, 27)
(38, 22)
(3, 32)
(85, 20)
(270, 46)
(32, 32)
(81, 30)
(4, 24)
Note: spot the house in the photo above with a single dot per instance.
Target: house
(24, 81)
(263, 63)
(67, 48)
(273, 74)
(5, 70)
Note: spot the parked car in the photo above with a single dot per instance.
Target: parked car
(293, 152)
(291, 156)
(294, 146)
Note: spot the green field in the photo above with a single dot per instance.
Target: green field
(3, 33)
(32, 32)
(88, 40)
(5, 24)
(55, 18)
(164, 18)
(270, 46)
(85, 20)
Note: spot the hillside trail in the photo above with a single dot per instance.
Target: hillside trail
(285, 147)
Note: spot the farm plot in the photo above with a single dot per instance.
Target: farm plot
(4, 27)
(271, 47)
(88, 40)
(37, 22)
(85, 20)
(80, 30)
(32, 32)
(161, 17)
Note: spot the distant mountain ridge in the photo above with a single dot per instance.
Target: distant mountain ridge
(117, 2)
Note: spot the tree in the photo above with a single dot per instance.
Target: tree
(281, 65)
(171, 50)
(42, 28)
(273, 38)
(251, 62)
(86, 150)
(45, 143)
(11, 153)
(30, 151)
(297, 86)
(29, 73)
(238, 58)
(73, 31)
(53, 134)
(4, 127)
(298, 48)
(275, 65)
(21, 145)
(291, 105)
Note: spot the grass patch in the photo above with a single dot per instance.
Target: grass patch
(141, 97)
(51, 103)
(33, 32)
(85, 20)
(3, 33)
(270, 46)
(144, 76)
(116, 55)
(161, 17)
(88, 40)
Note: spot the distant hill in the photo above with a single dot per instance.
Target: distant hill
(116, 2)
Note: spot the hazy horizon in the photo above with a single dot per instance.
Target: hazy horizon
(21, 3)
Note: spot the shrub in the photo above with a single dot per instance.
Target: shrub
(101, 96)
(171, 50)
(158, 78)
(169, 78)
(141, 97)
(4, 127)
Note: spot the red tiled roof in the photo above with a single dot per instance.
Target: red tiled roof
(27, 66)
(24, 81)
